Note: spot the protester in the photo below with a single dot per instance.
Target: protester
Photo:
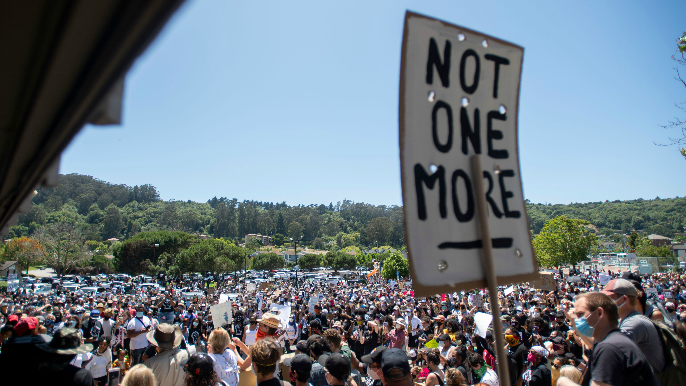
(139, 375)
(200, 371)
(265, 355)
(225, 360)
(616, 360)
(166, 365)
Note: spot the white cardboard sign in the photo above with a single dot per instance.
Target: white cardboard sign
(221, 313)
(481, 322)
(459, 96)
(604, 279)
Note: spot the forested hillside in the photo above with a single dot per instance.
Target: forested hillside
(102, 210)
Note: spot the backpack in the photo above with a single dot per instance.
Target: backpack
(652, 303)
(674, 373)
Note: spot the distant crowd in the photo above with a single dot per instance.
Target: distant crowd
(629, 330)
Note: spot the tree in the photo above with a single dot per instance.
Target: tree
(267, 261)
(678, 123)
(318, 243)
(63, 244)
(379, 230)
(395, 266)
(309, 261)
(278, 239)
(564, 241)
(25, 251)
(644, 247)
(295, 230)
(343, 260)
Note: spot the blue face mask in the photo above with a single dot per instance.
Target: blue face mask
(584, 328)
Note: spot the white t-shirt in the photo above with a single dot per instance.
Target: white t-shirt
(136, 324)
(226, 367)
(490, 378)
(106, 326)
(98, 366)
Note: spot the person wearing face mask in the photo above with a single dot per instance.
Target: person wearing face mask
(291, 333)
(195, 335)
(136, 330)
(373, 361)
(616, 360)
(637, 327)
(538, 373)
(518, 351)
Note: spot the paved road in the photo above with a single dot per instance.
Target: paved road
(47, 272)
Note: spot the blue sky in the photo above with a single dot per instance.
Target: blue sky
(298, 101)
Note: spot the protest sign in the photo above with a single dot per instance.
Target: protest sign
(221, 313)
(265, 285)
(604, 279)
(509, 290)
(545, 281)
(668, 294)
(481, 322)
(459, 95)
(223, 298)
(283, 313)
(651, 291)
(250, 287)
(313, 301)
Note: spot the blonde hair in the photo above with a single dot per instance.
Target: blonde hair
(571, 372)
(455, 377)
(219, 340)
(265, 354)
(139, 375)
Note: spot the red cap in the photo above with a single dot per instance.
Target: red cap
(13, 318)
(25, 325)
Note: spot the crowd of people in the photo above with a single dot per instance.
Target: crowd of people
(629, 330)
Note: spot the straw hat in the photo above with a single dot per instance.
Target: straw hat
(270, 320)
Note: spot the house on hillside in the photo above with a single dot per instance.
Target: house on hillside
(11, 267)
(679, 251)
(659, 241)
(290, 255)
(266, 240)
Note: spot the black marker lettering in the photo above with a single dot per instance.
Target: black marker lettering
(494, 134)
(498, 61)
(494, 207)
(466, 131)
(421, 177)
(435, 60)
(449, 111)
(505, 194)
(469, 213)
(463, 65)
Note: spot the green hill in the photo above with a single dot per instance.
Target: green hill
(103, 210)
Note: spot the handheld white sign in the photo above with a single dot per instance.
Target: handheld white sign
(459, 97)
(221, 314)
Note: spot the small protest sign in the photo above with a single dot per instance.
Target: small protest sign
(459, 96)
(221, 313)
(481, 322)
(283, 313)
(545, 281)
(668, 294)
(651, 291)
(604, 279)
(250, 287)
(313, 301)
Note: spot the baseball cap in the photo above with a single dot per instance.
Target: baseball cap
(374, 356)
(302, 346)
(300, 362)
(443, 337)
(336, 364)
(620, 287)
(394, 364)
(25, 325)
(95, 313)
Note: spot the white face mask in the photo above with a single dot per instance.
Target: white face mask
(373, 374)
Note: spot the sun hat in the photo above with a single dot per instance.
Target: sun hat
(165, 336)
(66, 341)
(270, 320)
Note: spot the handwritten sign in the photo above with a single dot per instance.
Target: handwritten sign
(221, 313)
(459, 96)
(604, 279)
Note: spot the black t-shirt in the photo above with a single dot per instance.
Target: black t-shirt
(541, 375)
(167, 306)
(273, 382)
(519, 353)
(618, 361)
(322, 319)
(194, 335)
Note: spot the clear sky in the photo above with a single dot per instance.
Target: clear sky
(298, 101)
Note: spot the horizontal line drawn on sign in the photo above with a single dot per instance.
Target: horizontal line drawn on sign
(503, 242)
